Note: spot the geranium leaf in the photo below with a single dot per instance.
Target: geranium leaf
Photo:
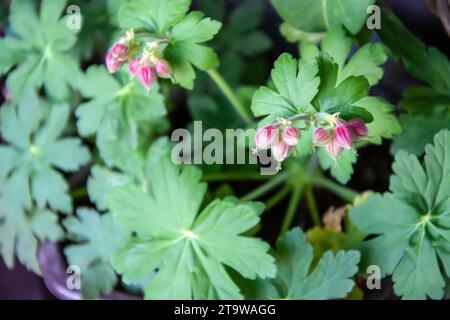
(189, 250)
(411, 220)
(98, 237)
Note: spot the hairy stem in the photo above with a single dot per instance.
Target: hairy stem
(229, 94)
(278, 197)
(312, 206)
(268, 186)
(292, 208)
(341, 191)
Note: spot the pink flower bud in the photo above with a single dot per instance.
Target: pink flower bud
(147, 76)
(334, 150)
(163, 69)
(291, 136)
(343, 136)
(134, 67)
(266, 137)
(358, 128)
(116, 57)
(142, 71)
(321, 137)
(280, 151)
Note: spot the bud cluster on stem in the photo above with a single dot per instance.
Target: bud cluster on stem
(146, 67)
(280, 137)
(331, 133)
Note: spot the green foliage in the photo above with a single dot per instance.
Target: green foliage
(190, 251)
(35, 151)
(336, 97)
(185, 33)
(342, 168)
(21, 231)
(317, 16)
(100, 20)
(427, 107)
(120, 113)
(366, 61)
(385, 124)
(427, 112)
(296, 83)
(330, 279)
(39, 47)
(98, 238)
(241, 24)
(412, 220)
(102, 180)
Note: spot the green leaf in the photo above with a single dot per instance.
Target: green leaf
(185, 50)
(384, 124)
(194, 29)
(67, 154)
(39, 47)
(242, 23)
(36, 149)
(366, 61)
(296, 85)
(117, 113)
(156, 15)
(317, 16)
(48, 187)
(342, 168)
(189, 251)
(427, 113)
(428, 64)
(330, 279)
(418, 131)
(101, 181)
(333, 97)
(21, 232)
(98, 237)
(169, 18)
(411, 220)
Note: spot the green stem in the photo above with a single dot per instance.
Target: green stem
(343, 192)
(268, 186)
(78, 193)
(234, 176)
(290, 212)
(277, 198)
(229, 94)
(311, 201)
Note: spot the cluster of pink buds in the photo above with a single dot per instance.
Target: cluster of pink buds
(119, 54)
(145, 68)
(335, 140)
(147, 71)
(281, 139)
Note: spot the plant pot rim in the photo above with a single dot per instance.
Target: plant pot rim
(53, 268)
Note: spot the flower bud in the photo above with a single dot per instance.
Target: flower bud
(163, 69)
(147, 76)
(142, 71)
(334, 150)
(134, 67)
(343, 136)
(266, 137)
(291, 136)
(321, 137)
(280, 151)
(116, 57)
(358, 128)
